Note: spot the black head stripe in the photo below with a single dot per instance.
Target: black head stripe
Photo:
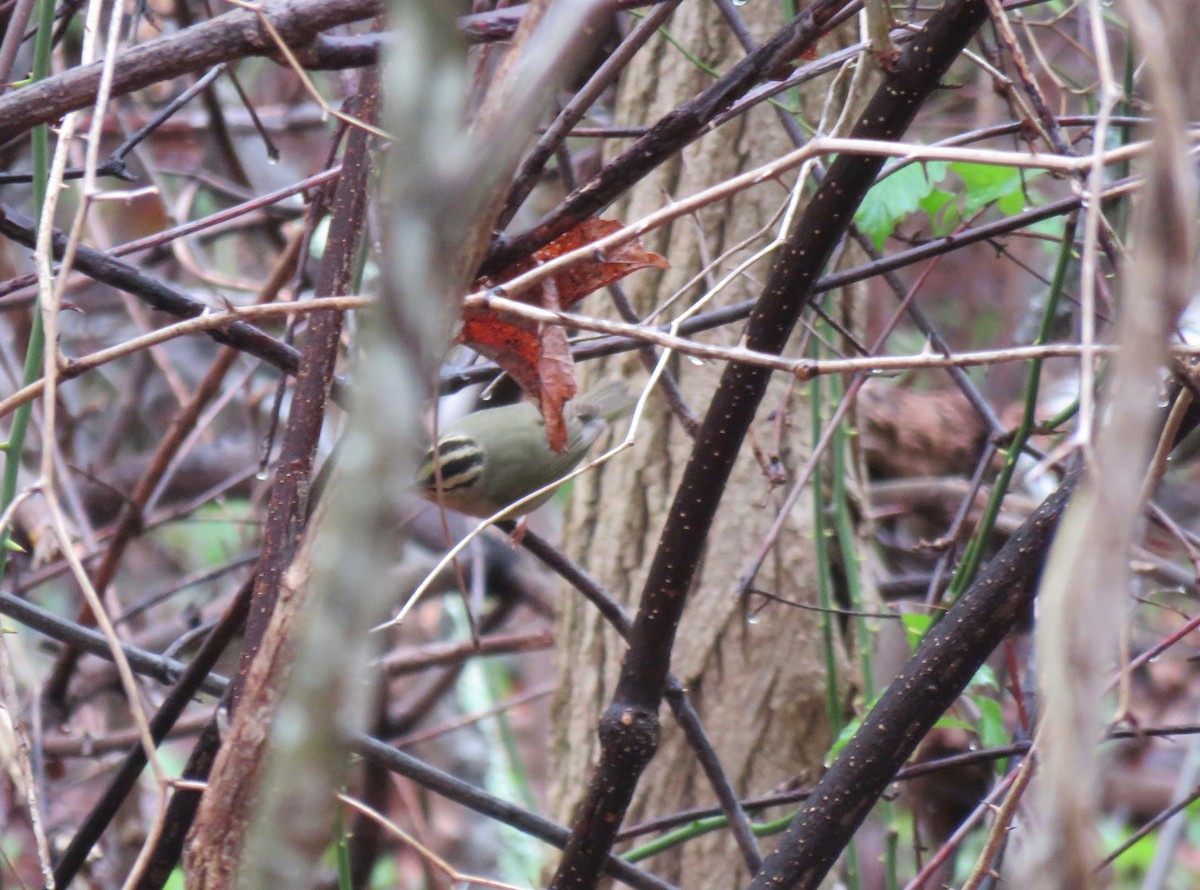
(462, 471)
(461, 462)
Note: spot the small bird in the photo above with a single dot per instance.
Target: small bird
(491, 458)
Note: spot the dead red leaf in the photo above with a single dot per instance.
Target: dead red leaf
(576, 282)
(536, 355)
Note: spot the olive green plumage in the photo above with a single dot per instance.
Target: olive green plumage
(494, 457)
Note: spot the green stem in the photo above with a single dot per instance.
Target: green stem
(848, 545)
(974, 552)
(822, 536)
(35, 350)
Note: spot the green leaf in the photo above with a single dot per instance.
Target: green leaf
(915, 626)
(212, 534)
(1012, 203)
(941, 208)
(985, 677)
(988, 183)
(1051, 229)
(892, 199)
(842, 739)
(991, 722)
(954, 723)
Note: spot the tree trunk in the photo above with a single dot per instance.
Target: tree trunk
(758, 682)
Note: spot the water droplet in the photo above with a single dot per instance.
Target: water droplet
(739, 2)
(751, 619)
(263, 475)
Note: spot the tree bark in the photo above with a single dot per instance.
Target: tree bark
(759, 683)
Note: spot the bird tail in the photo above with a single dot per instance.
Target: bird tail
(609, 399)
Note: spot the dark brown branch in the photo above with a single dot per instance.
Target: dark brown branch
(334, 53)
(681, 706)
(287, 511)
(146, 664)
(913, 771)
(217, 839)
(481, 802)
(233, 35)
(629, 727)
(933, 678)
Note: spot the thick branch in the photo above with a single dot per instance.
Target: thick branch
(233, 35)
(220, 831)
(929, 683)
(629, 727)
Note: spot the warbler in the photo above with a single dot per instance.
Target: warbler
(492, 458)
